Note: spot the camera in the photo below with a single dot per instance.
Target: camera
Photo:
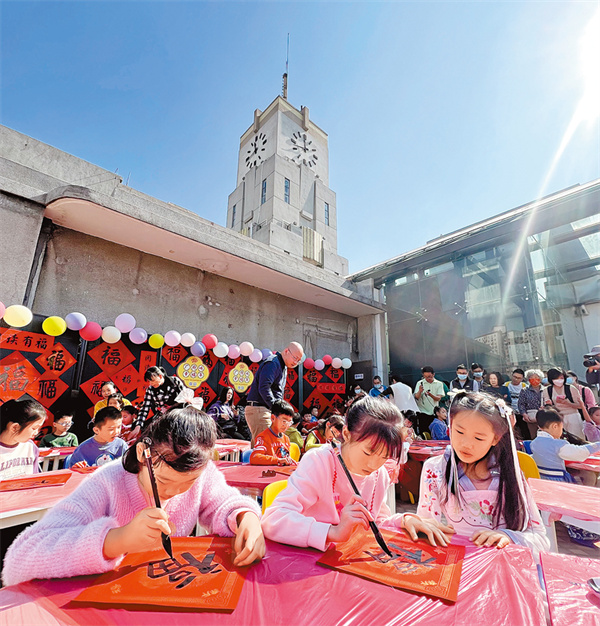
(589, 360)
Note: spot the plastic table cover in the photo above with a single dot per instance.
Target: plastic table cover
(244, 476)
(592, 464)
(570, 600)
(42, 497)
(423, 450)
(497, 588)
(582, 503)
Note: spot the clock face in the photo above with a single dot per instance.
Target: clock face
(255, 154)
(304, 150)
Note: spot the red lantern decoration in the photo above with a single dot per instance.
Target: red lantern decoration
(309, 364)
(210, 341)
(327, 359)
(91, 331)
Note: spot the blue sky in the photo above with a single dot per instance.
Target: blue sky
(438, 114)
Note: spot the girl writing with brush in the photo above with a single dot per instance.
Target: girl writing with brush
(319, 505)
(113, 511)
(477, 484)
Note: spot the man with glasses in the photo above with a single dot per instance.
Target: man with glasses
(60, 437)
(269, 386)
(272, 445)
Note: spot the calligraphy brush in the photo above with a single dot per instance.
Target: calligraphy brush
(373, 525)
(166, 540)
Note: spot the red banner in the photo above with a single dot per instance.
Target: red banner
(12, 339)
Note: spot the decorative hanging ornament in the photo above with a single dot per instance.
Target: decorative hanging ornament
(336, 362)
(309, 364)
(54, 325)
(172, 338)
(75, 321)
(138, 336)
(111, 334)
(210, 341)
(91, 331)
(246, 348)
(234, 351)
(266, 353)
(125, 323)
(17, 315)
(2, 309)
(156, 341)
(319, 365)
(221, 350)
(327, 359)
(198, 349)
(346, 364)
(256, 355)
(188, 340)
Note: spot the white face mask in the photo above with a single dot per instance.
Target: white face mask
(559, 382)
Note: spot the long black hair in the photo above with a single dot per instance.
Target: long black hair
(511, 504)
(223, 395)
(154, 372)
(183, 438)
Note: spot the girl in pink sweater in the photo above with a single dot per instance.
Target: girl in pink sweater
(318, 506)
(112, 512)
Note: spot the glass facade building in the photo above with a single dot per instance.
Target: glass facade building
(519, 290)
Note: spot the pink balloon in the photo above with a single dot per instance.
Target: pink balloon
(327, 359)
(336, 363)
(91, 331)
(319, 365)
(234, 351)
(256, 355)
(210, 341)
(125, 322)
(309, 364)
(2, 309)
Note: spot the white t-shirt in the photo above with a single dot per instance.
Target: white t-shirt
(19, 460)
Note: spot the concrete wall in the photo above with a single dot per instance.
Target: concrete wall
(102, 279)
(20, 224)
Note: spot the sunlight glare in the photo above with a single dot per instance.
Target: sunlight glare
(589, 48)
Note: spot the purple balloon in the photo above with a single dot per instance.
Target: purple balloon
(256, 355)
(75, 321)
(266, 353)
(198, 349)
(138, 335)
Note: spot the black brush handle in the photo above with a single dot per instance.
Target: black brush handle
(166, 540)
(373, 525)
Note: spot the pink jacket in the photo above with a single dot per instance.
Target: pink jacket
(68, 541)
(303, 512)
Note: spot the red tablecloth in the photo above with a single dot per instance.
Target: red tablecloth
(244, 476)
(498, 587)
(571, 601)
(42, 497)
(225, 446)
(64, 451)
(577, 501)
(592, 463)
(423, 450)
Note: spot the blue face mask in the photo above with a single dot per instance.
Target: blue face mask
(378, 385)
(570, 381)
(462, 376)
(478, 374)
(544, 380)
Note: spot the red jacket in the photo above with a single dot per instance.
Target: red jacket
(268, 448)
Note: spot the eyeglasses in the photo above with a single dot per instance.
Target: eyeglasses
(288, 422)
(65, 423)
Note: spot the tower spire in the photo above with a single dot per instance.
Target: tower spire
(285, 76)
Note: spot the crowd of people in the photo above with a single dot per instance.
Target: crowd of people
(475, 488)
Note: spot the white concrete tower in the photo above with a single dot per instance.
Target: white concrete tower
(282, 196)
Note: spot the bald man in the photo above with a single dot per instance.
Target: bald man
(268, 386)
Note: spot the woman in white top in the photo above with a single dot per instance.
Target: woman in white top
(566, 399)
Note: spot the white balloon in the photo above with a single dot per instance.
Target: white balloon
(188, 340)
(246, 348)
(319, 364)
(256, 355)
(346, 363)
(110, 334)
(336, 363)
(221, 350)
(172, 338)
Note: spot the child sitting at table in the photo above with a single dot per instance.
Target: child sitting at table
(477, 484)
(272, 447)
(128, 415)
(112, 512)
(293, 434)
(438, 427)
(319, 506)
(105, 445)
(60, 437)
(107, 389)
(20, 422)
(591, 428)
(550, 451)
(328, 429)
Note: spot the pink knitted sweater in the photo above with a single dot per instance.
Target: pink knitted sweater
(68, 541)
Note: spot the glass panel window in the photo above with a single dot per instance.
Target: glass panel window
(233, 216)
(286, 191)
(326, 214)
(263, 193)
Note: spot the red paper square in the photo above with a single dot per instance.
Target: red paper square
(111, 357)
(199, 577)
(93, 387)
(47, 389)
(174, 354)
(126, 379)
(416, 566)
(17, 376)
(57, 360)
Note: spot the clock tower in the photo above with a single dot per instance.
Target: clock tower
(282, 196)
